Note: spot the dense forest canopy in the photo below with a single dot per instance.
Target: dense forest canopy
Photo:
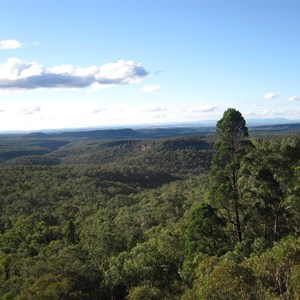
(192, 216)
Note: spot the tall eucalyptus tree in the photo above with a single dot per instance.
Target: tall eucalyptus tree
(229, 149)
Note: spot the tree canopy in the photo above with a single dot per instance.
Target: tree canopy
(229, 150)
(189, 217)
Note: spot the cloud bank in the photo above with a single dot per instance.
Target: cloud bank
(31, 110)
(10, 44)
(16, 74)
(294, 98)
(270, 96)
(155, 109)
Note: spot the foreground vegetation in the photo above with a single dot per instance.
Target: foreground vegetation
(163, 218)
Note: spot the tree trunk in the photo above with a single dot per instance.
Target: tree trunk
(238, 223)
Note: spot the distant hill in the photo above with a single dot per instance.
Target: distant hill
(149, 132)
(166, 148)
(275, 121)
(255, 126)
(274, 129)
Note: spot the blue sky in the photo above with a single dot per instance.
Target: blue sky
(66, 64)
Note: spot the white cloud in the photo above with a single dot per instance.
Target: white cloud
(294, 98)
(207, 108)
(155, 109)
(267, 112)
(16, 69)
(249, 114)
(274, 113)
(10, 44)
(160, 117)
(203, 108)
(150, 88)
(62, 69)
(270, 96)
(99, 110)
(16, 74)
(31, 110)
(121, 72)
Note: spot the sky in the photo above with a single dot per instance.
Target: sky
(93, 63)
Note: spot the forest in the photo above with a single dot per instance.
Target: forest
(154, 214)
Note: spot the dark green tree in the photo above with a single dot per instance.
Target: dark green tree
(70, 233)
(205, 232)
(229, 150)
(269, 187)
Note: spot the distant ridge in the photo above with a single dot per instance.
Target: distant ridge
(157, 130)
(124, 133)
(276, 121)
(97, 134)
(163, 132)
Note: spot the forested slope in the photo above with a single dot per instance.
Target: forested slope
(149, 219)
(177, 156)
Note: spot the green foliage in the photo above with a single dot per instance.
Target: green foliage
(270, 275)
(70, 233)
(156, 261)
(144, 292)
(205, 232)
(223, 279)
(230, 148)
(269, 189)
(278, 269)
(140, 218)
